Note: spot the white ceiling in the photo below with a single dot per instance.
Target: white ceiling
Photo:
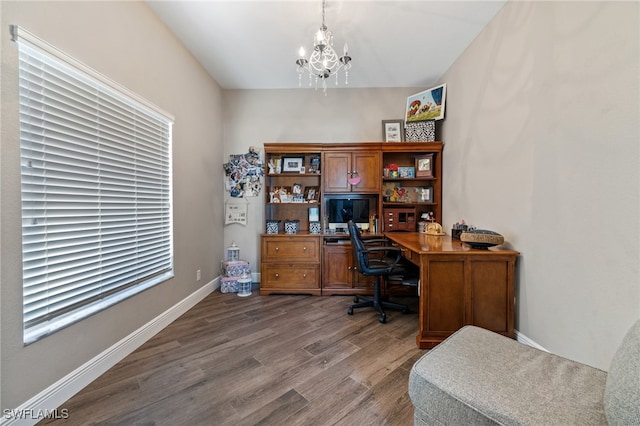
(254, 44)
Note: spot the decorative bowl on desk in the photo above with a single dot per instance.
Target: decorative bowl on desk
(481, 238)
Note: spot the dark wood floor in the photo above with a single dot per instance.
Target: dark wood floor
(271, 360)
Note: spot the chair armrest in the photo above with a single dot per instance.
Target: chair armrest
(386, 249)
(375, 240)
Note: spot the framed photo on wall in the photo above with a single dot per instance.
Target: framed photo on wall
(424, 165)
(393, 130)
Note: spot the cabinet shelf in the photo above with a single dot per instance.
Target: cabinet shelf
(418, 179)
(285, 174)
(389, 204)
(293, 204)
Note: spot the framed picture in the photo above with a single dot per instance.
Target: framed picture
(292, 164)
(406, 172)
(427, 105)
(311, 194)
(393, 130)
(314, 165)
(425, 195)
(424, 165)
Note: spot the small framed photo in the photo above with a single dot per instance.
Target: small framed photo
(292, 164)
(393, 130)
(311, 194)
(406, 172)
(424, 165)
(425, 195)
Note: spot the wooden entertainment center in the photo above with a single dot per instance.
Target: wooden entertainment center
(322, 263)
(387, 188)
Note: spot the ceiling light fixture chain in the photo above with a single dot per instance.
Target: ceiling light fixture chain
(324, 61)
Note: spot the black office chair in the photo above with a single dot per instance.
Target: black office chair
(376, 261)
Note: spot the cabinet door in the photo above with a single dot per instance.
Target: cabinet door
(336, 267)
(340, 274)
(363, 283)
(335, 169)
(338, 167)
(367, 165)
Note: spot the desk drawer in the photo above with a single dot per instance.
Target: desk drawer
(290, 276)
(295, 249)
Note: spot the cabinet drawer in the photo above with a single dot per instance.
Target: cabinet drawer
(295, 249)
(290, 276)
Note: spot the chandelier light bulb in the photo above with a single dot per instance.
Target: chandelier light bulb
(301, 52)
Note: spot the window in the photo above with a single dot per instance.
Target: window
(96, 190)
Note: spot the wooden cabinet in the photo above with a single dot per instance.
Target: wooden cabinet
(290, 264)
(399, 219)
(334, 171)
(342, 167)
(291, 191)
(412, 189)
(340, 274)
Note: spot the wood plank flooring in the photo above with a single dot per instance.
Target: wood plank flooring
(270, 360)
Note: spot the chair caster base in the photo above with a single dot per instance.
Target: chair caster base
(350, 311)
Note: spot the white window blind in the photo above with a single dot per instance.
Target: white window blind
(96, 190)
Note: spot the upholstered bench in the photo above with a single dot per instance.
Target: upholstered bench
(477, 377)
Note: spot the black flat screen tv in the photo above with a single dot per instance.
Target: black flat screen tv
(339, 209)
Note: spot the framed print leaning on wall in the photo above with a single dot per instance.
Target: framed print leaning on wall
(393, 130)
(426, 105)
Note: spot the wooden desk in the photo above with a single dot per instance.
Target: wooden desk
(459, 285)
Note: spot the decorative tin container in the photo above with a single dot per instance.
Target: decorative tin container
(291, 226)
(420, 131)
(235, 269)
(273, 226)
(229, 284)
(314, 227)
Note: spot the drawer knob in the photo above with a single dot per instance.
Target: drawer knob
(277, 275)
(304, 275)
(349, 268)
(304, 249)
(277, 248)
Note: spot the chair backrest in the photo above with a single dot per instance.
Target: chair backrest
(362, 254)
(622, 391)
(356, 240)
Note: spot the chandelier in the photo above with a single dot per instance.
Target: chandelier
(324, 61)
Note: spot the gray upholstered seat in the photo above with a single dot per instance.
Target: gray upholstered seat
(477, 377)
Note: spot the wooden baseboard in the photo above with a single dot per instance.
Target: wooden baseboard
(45, 403)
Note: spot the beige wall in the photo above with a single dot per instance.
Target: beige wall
(127, 43)
(542, 145)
